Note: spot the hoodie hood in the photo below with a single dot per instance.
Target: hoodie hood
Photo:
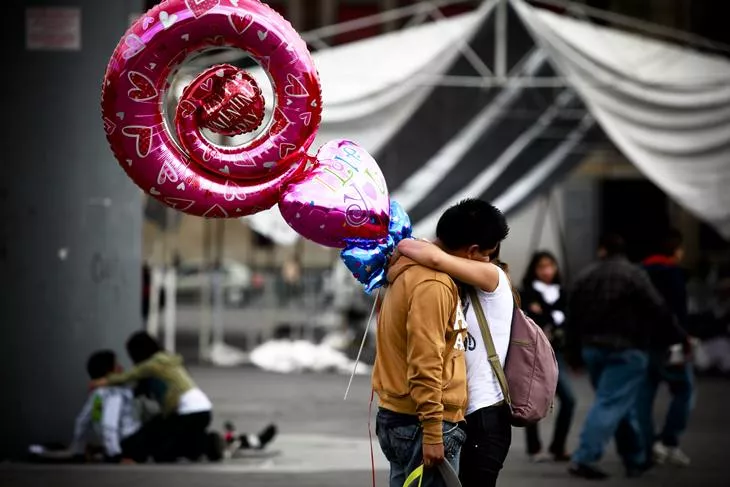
(398, 265)
(169, 359)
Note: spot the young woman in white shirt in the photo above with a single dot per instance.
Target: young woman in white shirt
(468, 238)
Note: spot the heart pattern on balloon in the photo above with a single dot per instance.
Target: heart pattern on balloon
(342, 197)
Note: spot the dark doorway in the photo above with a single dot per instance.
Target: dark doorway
(638, 211)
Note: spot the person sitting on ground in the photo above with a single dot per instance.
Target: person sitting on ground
(181, 431)
(110, 416)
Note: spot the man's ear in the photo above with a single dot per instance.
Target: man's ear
(472, 251)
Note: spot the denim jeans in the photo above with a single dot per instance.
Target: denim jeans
(565, 395)
(401, 440)
(680, 380)
(617, 377)
(488, 438)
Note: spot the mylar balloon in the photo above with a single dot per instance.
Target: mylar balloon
(197, 176)
(342, 196)
(368, 259)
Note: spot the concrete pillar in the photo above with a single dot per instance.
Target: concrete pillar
(70, 239)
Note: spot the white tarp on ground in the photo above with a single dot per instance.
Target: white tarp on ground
(287, 356)
(666, 107)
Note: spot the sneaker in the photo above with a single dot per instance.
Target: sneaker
(587, 472)
(539, 457)
(677, 457)
(660, 453)
(561, 457)
(258, 442)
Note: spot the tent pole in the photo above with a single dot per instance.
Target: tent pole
(500, 44)
(558, 216)
(539, 224)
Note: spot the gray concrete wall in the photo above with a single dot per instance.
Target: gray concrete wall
(70, 238)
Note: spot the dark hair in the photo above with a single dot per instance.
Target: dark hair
(531, 273)
(141, 346)
(101, 364)
(670, 243)
(613, 244)
(472, 222)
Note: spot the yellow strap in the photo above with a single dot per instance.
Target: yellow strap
(416, 474)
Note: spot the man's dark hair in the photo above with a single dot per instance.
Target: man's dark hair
(472, 222)
(141, 346)
(101, 364)
(613, 244)
(670, 243)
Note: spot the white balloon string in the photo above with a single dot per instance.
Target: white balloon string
(362, 344)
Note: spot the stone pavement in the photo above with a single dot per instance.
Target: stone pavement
(324, 441)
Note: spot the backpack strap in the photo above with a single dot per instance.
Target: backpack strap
(489, 343)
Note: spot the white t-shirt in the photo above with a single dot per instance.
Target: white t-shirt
(484, 390)
(194, 401)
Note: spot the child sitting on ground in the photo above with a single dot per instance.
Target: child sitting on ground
(181, 430)
(110, 415)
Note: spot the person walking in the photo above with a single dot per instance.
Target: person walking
(469, 236)
(615, 315)
(673, 368)
(544, 301)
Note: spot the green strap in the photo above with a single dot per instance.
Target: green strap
(489, 343)
(416, 474)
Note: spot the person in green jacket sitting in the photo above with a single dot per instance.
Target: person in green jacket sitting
(181, 431)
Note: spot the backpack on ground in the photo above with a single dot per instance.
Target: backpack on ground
(530, 375)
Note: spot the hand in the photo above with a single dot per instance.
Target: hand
(535, 308)
(95, 384)
(433, 455)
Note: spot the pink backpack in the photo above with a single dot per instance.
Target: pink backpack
(530, 375)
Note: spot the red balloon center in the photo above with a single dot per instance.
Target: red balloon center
(229, 99)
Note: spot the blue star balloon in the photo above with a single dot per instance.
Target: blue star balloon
(368, 259)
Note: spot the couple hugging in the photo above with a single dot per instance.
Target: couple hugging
(439, 400)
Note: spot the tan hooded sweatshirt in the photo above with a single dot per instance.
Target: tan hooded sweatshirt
(419, 367)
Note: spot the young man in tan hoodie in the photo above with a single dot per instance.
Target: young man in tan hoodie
(420, 373)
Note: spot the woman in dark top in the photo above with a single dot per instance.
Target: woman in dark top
(544, 301)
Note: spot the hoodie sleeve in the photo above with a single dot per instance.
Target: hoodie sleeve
(141, 371)
(430, 310)
(110, 424)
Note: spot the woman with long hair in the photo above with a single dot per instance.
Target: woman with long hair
(544, 301)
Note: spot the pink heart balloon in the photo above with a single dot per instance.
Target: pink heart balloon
(343, 196)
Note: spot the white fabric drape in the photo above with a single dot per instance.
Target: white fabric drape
(667, 108)
(370, 89)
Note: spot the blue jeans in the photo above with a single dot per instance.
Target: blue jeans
(617, 377)
(680, 380)
(400, 438)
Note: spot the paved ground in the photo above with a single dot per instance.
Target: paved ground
(324, 441)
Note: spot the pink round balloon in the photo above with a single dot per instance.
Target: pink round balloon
(202, 178)
(341, 196)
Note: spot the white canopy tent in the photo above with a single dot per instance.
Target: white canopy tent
(666, 107)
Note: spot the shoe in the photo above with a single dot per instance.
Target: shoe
(678, 458)
(215, 447)
(267, 435)
(587, 472)
(539, 457)
(637, 471)
(660, 453)
(561, 457)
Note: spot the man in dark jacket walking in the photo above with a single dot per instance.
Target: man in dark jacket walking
(671, 366)
(615, 317)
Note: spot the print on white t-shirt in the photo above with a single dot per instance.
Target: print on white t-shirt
(459, 326)
(484, 390)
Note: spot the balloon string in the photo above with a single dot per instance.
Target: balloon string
(362, 345)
